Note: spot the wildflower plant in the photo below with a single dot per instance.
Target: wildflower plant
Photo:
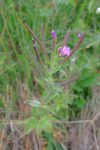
(53, 75)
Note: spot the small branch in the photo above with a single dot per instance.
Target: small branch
(36, 52)
(65, 40)
(95, 138)
(43, 37)
(53, 44)
(75, 47)
(35, 141)
(96, 117)
(69, 81)
(38, 41)
(73, 122)
(57, 121)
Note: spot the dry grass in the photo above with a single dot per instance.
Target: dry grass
(83, 134)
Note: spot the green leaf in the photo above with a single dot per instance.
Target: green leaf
(85, 73)
(98, 83)
(90, 80)
(44, 124)
(1, 104)
(93, 41)
(79, 103)
(29, 125)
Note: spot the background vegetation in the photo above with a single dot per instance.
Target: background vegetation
(37, 111)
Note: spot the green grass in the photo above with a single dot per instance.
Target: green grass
(19, 80)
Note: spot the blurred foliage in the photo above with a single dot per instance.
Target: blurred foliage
(50, 102)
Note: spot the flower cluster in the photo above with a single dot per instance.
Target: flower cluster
(64, 50)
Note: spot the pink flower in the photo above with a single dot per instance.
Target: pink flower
(79, 34)
(64, 51)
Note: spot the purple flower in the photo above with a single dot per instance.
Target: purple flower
(79, 34)
(54, 36)
(64, 51)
